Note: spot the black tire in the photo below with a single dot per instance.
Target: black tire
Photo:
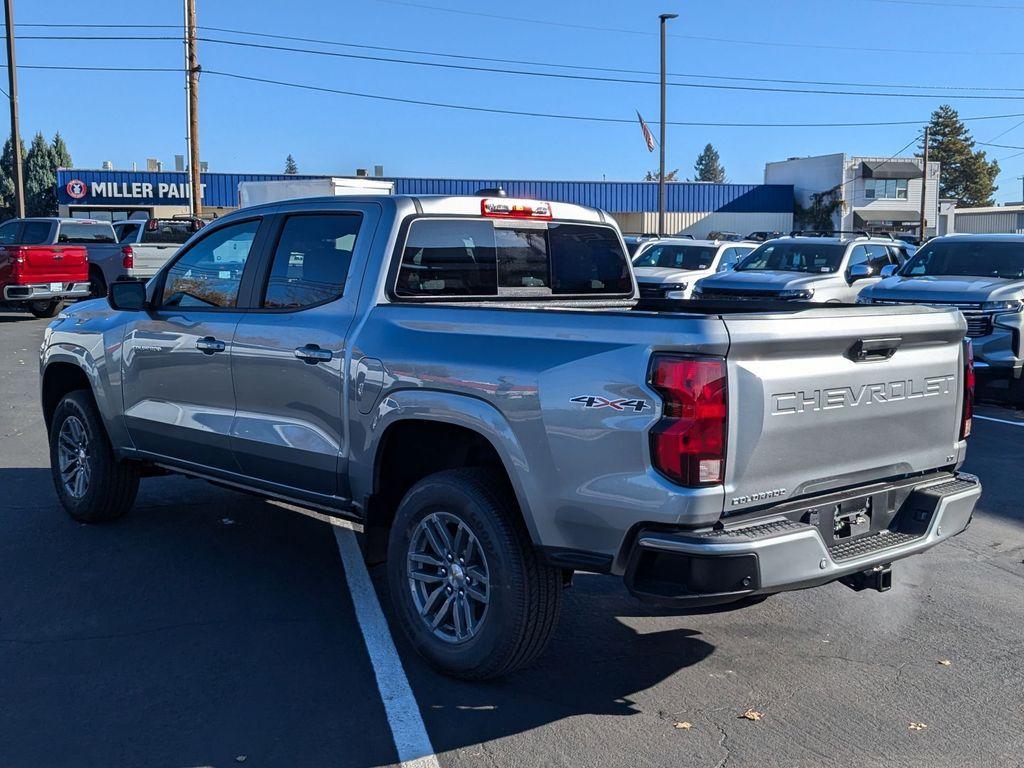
(1015, 393)
(97, 283)
(45, 308)
(524, 594)
(110, 486)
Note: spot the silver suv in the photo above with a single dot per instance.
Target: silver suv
(819, 267)
(981, 275)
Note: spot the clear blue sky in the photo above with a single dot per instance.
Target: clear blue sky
(250, 127)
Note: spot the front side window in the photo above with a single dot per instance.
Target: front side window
(209, 274)
(481, 258)
(789, 256)
(677, 256)
(85, 233)
(885, 189)
(730, 256)
(311, 260)
(9, 232)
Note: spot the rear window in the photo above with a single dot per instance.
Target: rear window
(677, 256)
(74, 232)
(174, 232)
(126, 232)
(481, 258)
(25, 233)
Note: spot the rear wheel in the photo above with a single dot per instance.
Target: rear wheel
(92, 485)
(97, 283)
(45, 307)
(469, 590)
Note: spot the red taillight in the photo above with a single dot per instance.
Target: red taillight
(508, 208)
(969, 381)
(127, 257)
(688, 443)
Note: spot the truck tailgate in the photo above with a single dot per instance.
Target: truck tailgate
(148, 258)
(826, 398)
(46, 263)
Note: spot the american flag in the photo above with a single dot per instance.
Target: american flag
(648, 136)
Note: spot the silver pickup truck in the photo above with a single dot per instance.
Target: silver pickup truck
(983, 277)
(476, 381)
(147, 244)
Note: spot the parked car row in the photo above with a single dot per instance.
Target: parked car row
(47, 261)
(981, 275)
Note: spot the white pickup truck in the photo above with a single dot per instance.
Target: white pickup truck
(147, 244)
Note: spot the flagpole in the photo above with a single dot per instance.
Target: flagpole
(661, 164)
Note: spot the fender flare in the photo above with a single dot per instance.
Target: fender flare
(448, 408)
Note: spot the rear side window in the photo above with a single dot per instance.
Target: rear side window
(311, 260)
(9, 232)
(167, 232)
(74, 232)
(480, 258)
(126, 232)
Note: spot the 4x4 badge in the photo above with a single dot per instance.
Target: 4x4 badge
(594, 401)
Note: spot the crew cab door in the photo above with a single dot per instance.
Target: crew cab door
(289, 352)
(178, 396)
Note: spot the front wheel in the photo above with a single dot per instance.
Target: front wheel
(45, 308)
(92, 485)
(469, 590)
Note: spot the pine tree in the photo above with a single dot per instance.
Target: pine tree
(967, 175)
(669, 175)
(290, 167)
(61, 154)
(7, 209)
(40, 179)
(709, 166)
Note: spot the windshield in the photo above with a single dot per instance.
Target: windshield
(979, 258)
(788, 256)
(677, 256)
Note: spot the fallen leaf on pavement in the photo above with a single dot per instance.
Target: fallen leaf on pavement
(752, 714)
(683, 726)
(917, 726)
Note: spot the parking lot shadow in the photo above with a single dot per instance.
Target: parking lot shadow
(597, 664)
(203, 626)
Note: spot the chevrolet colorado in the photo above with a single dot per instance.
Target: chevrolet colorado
(476, 381)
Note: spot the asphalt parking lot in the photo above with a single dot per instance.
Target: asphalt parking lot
(208, 628)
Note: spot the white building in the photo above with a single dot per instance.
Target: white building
(999, 219)
(879, 194)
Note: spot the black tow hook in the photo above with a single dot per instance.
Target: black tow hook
(878, 578)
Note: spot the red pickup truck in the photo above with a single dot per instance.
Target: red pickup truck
(40, 277)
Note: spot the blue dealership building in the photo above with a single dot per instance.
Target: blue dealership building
(692, 208)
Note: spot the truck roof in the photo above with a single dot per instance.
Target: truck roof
(458, 205)
(1006, 237)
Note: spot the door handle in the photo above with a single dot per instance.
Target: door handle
(311, 354)
(208, 345)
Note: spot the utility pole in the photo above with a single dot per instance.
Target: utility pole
(661, 163)
(1021, 180)
(924, 185)
(12, 85)
(192, 70)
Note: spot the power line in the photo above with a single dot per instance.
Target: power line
(592, 78)
(84, 68)
(585, 118)
(704, 38)
(1001, 146)
(469, 57)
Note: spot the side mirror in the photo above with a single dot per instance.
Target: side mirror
(860, 271)
(889, 270)
(127, 295)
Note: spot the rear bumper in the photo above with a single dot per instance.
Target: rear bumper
(777, 554)
(41, 291)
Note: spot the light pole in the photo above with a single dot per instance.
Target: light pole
(661, 163)
(12, 84)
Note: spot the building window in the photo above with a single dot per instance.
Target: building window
(885, 189)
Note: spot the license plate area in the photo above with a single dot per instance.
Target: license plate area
(850, 519)
(56, 286)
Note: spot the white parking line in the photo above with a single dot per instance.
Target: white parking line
(407, 728)
(1000, 421)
